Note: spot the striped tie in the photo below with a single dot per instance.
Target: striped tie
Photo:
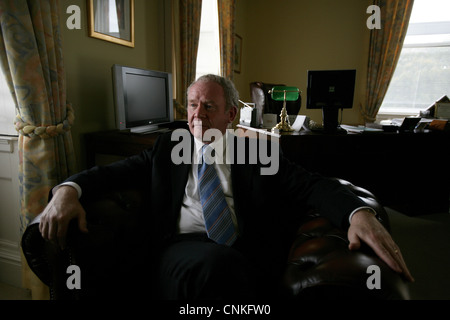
(219, 225)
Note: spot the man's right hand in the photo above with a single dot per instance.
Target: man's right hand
(56, 217)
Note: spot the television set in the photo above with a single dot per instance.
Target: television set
(142, 98)
(330, 90)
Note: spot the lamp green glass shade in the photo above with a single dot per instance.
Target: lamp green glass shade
(282, 93)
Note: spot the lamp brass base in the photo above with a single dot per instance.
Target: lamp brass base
(283, 125)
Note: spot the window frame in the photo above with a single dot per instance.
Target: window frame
(7, 127)
(417, 29)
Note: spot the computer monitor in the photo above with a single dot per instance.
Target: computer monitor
(330, 90)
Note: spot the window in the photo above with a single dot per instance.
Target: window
(113, 21)
(7, 109)
(422, 75)
(208, 55)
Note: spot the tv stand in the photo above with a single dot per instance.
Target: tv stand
(144, 129)
(158, 129)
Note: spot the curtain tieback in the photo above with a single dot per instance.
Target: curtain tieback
(45, 132)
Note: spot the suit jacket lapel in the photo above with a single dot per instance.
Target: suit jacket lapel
(179, 178)
(242, 182)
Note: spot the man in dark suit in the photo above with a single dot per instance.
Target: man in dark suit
(257, 211)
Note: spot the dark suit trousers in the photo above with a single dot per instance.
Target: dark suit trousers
(194, 267)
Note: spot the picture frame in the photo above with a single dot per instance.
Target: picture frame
(237, 53)
(112, 21)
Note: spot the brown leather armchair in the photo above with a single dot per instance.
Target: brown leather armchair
(111, 259)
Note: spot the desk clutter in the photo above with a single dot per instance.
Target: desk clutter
(414, 124)
(301, 122)
(251, 117)
(271, 110)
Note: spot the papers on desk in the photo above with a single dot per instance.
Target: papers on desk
(301, 122)
(359, 129)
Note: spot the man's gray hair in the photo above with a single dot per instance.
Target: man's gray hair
(230, 92)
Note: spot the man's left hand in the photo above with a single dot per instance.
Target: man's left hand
(365, 227)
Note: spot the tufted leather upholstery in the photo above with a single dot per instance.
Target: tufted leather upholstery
(320, 265)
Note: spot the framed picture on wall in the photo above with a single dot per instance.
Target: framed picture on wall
(237, 53)
(112, 21)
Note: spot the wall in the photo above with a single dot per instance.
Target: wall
(88, 63)
(241, 79)
(282, 40)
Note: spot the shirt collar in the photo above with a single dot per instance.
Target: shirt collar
(216, 145)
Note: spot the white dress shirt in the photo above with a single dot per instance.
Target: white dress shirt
(191, 217)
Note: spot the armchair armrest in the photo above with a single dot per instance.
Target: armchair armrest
(110, 253)
(320, 265)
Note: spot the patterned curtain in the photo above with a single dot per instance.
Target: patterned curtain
(31, 58)
(227, 10)
(384, 51)
(189, 16)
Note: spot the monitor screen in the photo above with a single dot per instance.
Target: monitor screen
(143, 98)
(330, 88)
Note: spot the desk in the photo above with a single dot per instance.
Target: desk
(408, 172)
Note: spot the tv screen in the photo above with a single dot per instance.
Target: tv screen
(143, 98)
(330, 88)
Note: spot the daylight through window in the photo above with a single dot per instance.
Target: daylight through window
(422, 75)
(7, 109)
(208, 55)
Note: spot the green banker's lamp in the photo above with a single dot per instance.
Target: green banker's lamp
(282, 93)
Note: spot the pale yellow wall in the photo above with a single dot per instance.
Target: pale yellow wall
(282, 39)
(88, 64)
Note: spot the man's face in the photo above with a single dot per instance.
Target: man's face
(206, 108)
